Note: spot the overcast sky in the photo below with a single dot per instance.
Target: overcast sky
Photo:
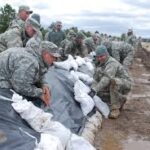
(107, 16)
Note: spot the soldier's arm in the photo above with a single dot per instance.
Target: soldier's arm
(108, 74)
(13, 38)
(23, 78)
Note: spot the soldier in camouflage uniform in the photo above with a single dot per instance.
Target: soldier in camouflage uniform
(70, 37)
(111, 79)
(37, 18)
(22, 69)
(76, 47)
(121, 51)
(15, 37)
(23, 13)
(91, 42)
(131, 38)
(56, 35)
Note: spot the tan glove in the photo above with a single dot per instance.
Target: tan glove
(45, 97)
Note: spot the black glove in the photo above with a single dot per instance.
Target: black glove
(92, 93)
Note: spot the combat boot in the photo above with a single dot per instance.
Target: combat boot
(114, 114)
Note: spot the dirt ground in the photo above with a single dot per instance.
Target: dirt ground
(131, 131)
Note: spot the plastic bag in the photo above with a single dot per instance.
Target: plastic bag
(81, 95)
(48, 142)
(82, 76)
(67, 64)
(80, 61)
(79, 143)
(102, 107)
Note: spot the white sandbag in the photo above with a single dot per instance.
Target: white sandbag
(49, 142)
(79, 143)
(41, 121)
(90, 66)
(36, 117)
(16, 97)
(82, 76)
(81, 96)
(101, 106)
(91, 127)
(74, 75)
(93, 54)
(67, 64)
(80, 61)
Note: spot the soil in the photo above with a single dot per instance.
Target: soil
(131, 131)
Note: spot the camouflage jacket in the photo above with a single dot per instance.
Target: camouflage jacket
(17, 22)
(14, 37)
(131, 40)
(90, 44)
(123, 52)
(109, 70)
(75, 50)
(22, 70)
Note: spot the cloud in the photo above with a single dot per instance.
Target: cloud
(138, 3)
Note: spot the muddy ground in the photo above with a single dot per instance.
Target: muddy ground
(131, 131)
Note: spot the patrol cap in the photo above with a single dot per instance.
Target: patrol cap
(36, 17)
(50, 47)
(130, 30)
(25, 8)
(100, 50)
(80, 35)
(33, 23)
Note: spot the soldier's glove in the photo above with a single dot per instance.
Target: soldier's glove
(45, 97)
(92, 93)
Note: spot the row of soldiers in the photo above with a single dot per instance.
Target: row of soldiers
(23, 68)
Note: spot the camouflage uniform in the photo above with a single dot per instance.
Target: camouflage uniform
(11, 38)
(104, 76)
(17, 22)
(90, 44)
(22, 69)
(123, 52)
(75, 49)
(131, 39)
(16, 37)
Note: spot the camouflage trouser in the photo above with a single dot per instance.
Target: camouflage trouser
(116, 92)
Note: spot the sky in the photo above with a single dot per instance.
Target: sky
(113, 17)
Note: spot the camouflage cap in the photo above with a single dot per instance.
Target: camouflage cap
(80, 35)
(36, 17)
(100, 50)
(33, 23)
(130, 30)
(26, 8)
(50, 47)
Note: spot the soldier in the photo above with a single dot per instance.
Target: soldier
(17, 38)
(121, 51)
(131, 38)
(111, 79)
(23, 13)
(91, 42)
(37, 18)
(22, 69)
(76, 46)
(70, 37)
(56, 35)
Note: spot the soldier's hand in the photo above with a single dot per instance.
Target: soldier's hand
(45, 97)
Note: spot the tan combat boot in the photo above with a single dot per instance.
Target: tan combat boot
(114, 114)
